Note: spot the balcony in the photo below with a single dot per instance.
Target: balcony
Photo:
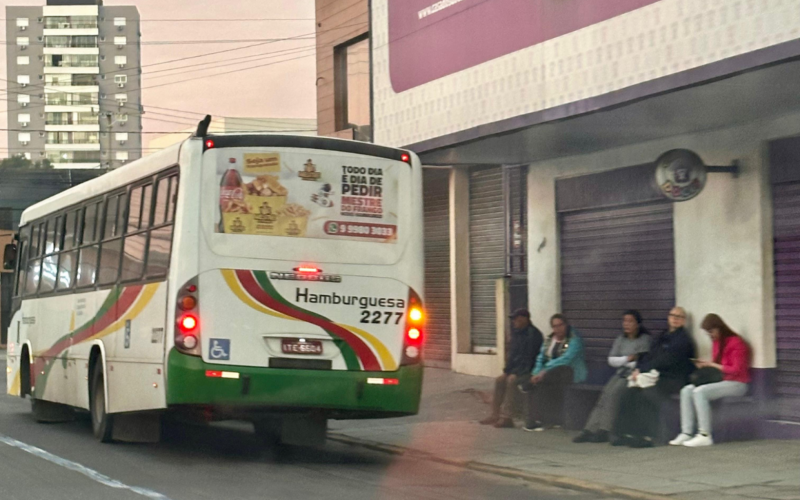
(72, 138)
(63, 101)
(70, 42)
(84, 120)
(75, 25)
(53, 62)
(52, 24)
(70, 80)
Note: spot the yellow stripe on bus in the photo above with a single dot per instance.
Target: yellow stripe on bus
(389, 364)
(144, 299)
(233, 284)
(15, 385)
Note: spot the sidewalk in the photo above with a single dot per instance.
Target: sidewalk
(447, 429)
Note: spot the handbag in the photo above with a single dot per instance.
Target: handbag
(706, 375)
(644, 380)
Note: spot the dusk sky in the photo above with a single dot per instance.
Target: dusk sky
(283, 90)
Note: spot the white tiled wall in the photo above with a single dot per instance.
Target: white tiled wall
(663, 38)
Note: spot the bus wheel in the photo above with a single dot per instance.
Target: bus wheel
(25, 375)
(48, 412)
(268, 431)
(102, 422)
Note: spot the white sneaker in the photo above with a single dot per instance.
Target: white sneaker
(682, 438)
(699, 440)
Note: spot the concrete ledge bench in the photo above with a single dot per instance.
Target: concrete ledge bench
(734, 418)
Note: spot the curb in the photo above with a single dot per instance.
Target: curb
(548, 479)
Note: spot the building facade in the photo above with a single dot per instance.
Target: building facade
(74, 82)
(345, 110)
(343, 80)
(550, 132)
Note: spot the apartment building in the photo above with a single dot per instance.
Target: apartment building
(74, 83)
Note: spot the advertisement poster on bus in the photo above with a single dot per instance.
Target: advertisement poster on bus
(303, 195)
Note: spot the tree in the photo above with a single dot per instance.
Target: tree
(20, 162)
(16, 161)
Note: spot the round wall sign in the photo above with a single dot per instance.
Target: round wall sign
(680, 174)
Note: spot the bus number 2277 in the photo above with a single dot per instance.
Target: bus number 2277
(378, 317)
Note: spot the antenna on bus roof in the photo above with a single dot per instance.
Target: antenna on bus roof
(202, 127)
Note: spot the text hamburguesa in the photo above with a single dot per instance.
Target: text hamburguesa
(349, 300)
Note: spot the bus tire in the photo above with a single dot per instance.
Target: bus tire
(25, 375)
(102, 422)
(268, 431)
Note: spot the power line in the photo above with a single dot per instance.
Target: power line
(256, 132)
(215, 53)
(220, 74)
(202, 20)
(129, 132)
(153, 42)
(251, 56)
(252, 59)
(270, 55)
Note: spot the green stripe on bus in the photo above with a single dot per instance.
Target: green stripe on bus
(350, 358)
(111, 299)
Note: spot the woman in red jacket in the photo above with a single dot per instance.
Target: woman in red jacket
(732, 357)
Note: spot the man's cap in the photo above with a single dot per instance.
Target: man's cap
(520, 312)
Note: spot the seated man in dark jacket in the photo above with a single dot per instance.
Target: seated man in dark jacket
(521, 351)
(671, 356)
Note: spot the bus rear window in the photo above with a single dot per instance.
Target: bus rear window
(307, 194)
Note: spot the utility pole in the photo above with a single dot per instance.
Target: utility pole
(110, 140)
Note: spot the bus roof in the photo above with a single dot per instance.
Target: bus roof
(169, 156)
(135, 170)
(306, 142)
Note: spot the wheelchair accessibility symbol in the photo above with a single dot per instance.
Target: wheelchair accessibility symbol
(220, 349)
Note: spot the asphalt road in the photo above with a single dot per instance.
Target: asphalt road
(64, 462)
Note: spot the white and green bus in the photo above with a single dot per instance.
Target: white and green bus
(270, 278)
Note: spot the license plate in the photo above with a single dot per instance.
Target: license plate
(294, 346)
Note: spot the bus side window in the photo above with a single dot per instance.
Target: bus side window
(162, 196)
(139, 210)
(147, 194)
(173, 198)
(160, 243)
(111, 246)
(87, 257)
(66, 266)
(134, 210)
(22, 259)
(50, 262)
(34, 260)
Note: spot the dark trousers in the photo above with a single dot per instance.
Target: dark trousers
(545, 401)
(505, 396)
(639, 409)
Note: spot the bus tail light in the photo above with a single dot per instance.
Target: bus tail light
(187, 320)
(307, 270)
(413, 338)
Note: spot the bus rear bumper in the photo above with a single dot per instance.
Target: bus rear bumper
(336, 393)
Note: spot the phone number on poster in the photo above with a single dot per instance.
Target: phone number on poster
(381, 231)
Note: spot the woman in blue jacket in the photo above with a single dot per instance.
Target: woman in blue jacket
(559, 364)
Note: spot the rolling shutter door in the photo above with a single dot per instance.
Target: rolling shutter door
(436, 193)
(613, 259)
(787, 297)
(487, 251)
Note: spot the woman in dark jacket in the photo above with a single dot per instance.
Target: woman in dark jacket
(671, 355)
